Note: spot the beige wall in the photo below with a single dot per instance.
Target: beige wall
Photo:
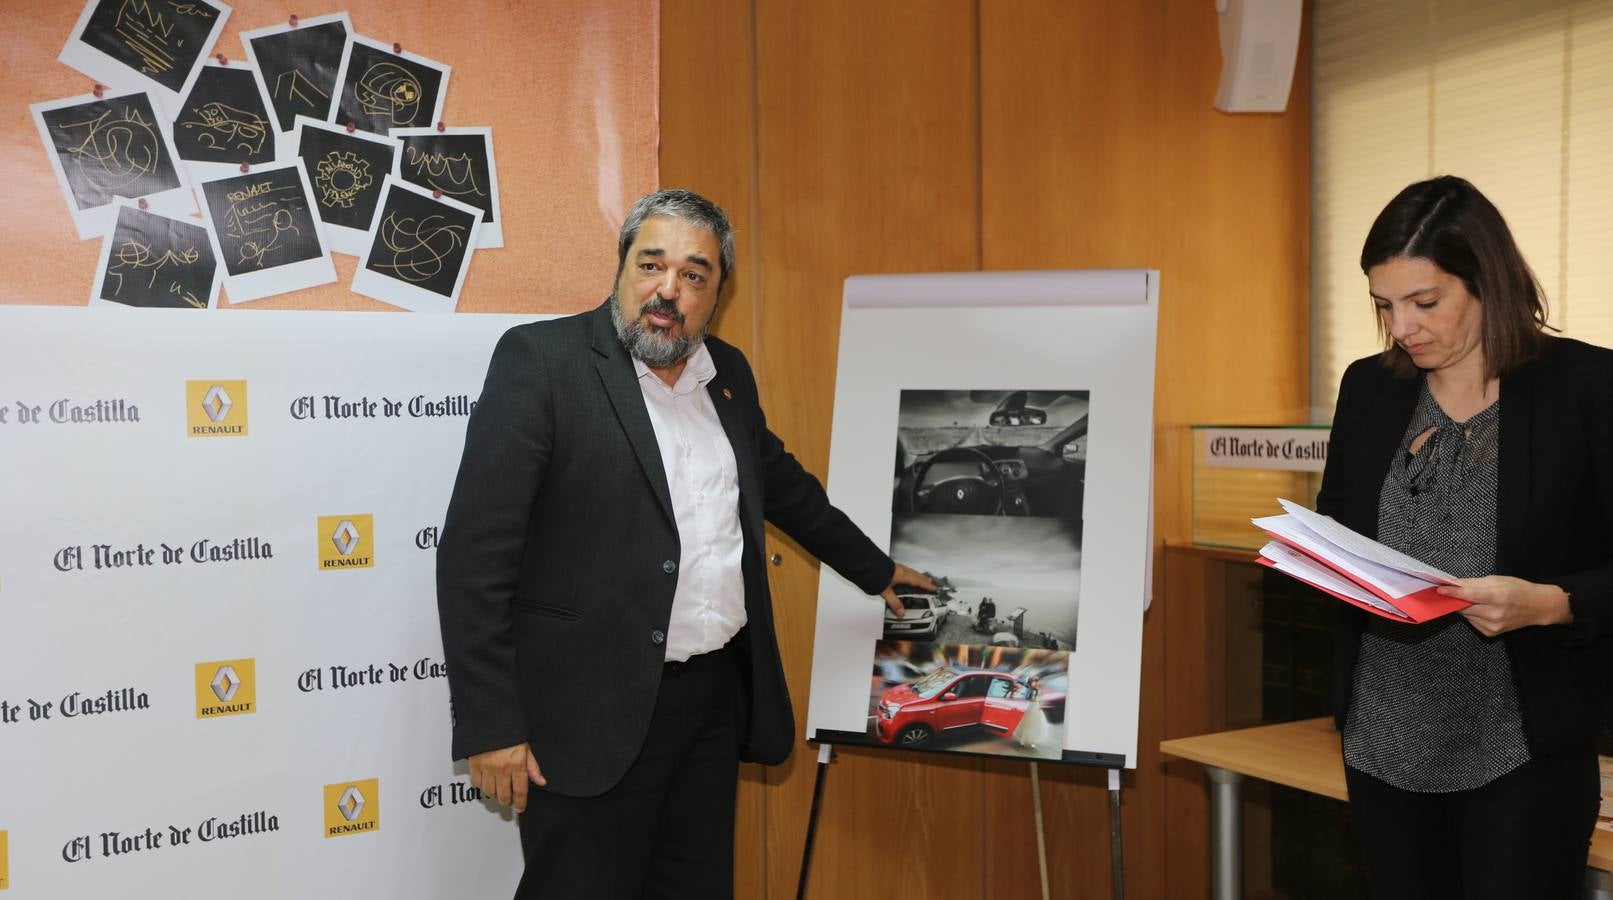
(855, 137)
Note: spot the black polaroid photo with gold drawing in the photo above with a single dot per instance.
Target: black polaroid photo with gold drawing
(151, 260)
(379, 89)
(420, 249)
(347, 172)
(115, 145)
(157, 45)
(223, 122)
(296, 65)
(265, 233)
(458, 162)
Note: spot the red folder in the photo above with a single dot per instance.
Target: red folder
(1423, 606)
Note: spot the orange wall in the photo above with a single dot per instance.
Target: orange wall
(971, 134)
(569, 89)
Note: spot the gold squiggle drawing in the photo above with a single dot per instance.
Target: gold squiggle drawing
(222, 124)
(340, 176)
(258, 216)
(134, 257)
(452, 175)
(293, 85)
(115, 152)
(186, 296)
(148, 34)
(420, 248)
(388, 89)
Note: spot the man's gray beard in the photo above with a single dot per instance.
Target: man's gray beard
(658, 351)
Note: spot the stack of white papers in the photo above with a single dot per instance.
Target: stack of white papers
(1353, 567)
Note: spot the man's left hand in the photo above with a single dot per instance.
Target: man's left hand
(1502, 603)
(909, 578)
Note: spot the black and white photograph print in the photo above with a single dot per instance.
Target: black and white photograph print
(116, 146)
(958, 698)
(459, 162)
(378, 90)
(155, 261)
(348, 173)
(296, 65)
(223, 122)
(420, 249)
(153, 44)
(991, 452)
(265, 232)
(1012, 581)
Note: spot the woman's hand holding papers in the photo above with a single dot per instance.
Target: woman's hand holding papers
(1502, 603)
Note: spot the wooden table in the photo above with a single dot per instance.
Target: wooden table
(1303, 755)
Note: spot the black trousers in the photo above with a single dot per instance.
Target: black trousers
(1524, 835)
(667, 828)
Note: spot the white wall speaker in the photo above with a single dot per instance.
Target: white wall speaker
(1259, 44)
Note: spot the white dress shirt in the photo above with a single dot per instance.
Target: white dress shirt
(708, 607)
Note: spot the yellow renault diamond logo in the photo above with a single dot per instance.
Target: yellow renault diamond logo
(346, 542)
(215, 408)
(352, 807)
(226, 687)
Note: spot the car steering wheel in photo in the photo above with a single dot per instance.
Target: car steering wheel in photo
(991, 453)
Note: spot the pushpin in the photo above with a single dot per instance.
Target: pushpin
(442, 126)
(222, 59)
(436, 194)
(98, 90)
(143, 203)
(245, 168)
(351, 128)
(397, 48)
(293, 20)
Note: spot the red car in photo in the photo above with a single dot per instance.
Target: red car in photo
(947, 699)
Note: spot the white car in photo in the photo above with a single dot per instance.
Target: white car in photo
(922, 615)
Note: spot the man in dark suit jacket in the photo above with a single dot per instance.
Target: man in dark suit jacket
(605, 610)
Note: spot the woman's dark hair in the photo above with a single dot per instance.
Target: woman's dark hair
(1446, 221)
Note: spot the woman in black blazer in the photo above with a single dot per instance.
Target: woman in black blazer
(1483, 445)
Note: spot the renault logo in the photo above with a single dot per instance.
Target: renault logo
(225, 684)
(345, 537)
(351, 804)
(216, 403)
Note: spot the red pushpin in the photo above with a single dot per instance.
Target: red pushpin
(351, 128)
(98, 90)
(245, 168)
(397, 48)
(143, 204)
(442, 126)
(292, 21)
(222, 59)
(436, 195)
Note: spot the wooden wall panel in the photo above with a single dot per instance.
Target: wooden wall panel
(867, 163)
(1101, 148)
(964, 135)
(708, 144)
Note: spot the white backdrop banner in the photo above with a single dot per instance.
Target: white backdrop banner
(220, 670)
(999, 428)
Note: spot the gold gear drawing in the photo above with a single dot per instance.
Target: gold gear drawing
(340, 176)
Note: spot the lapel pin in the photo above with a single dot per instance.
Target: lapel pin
(727, 394)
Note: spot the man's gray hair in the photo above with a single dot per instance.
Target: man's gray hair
(686, 206)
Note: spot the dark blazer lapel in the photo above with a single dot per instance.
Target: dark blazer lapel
(1512, 495)
(616, 372)
(1394, 406)
(735, 424)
